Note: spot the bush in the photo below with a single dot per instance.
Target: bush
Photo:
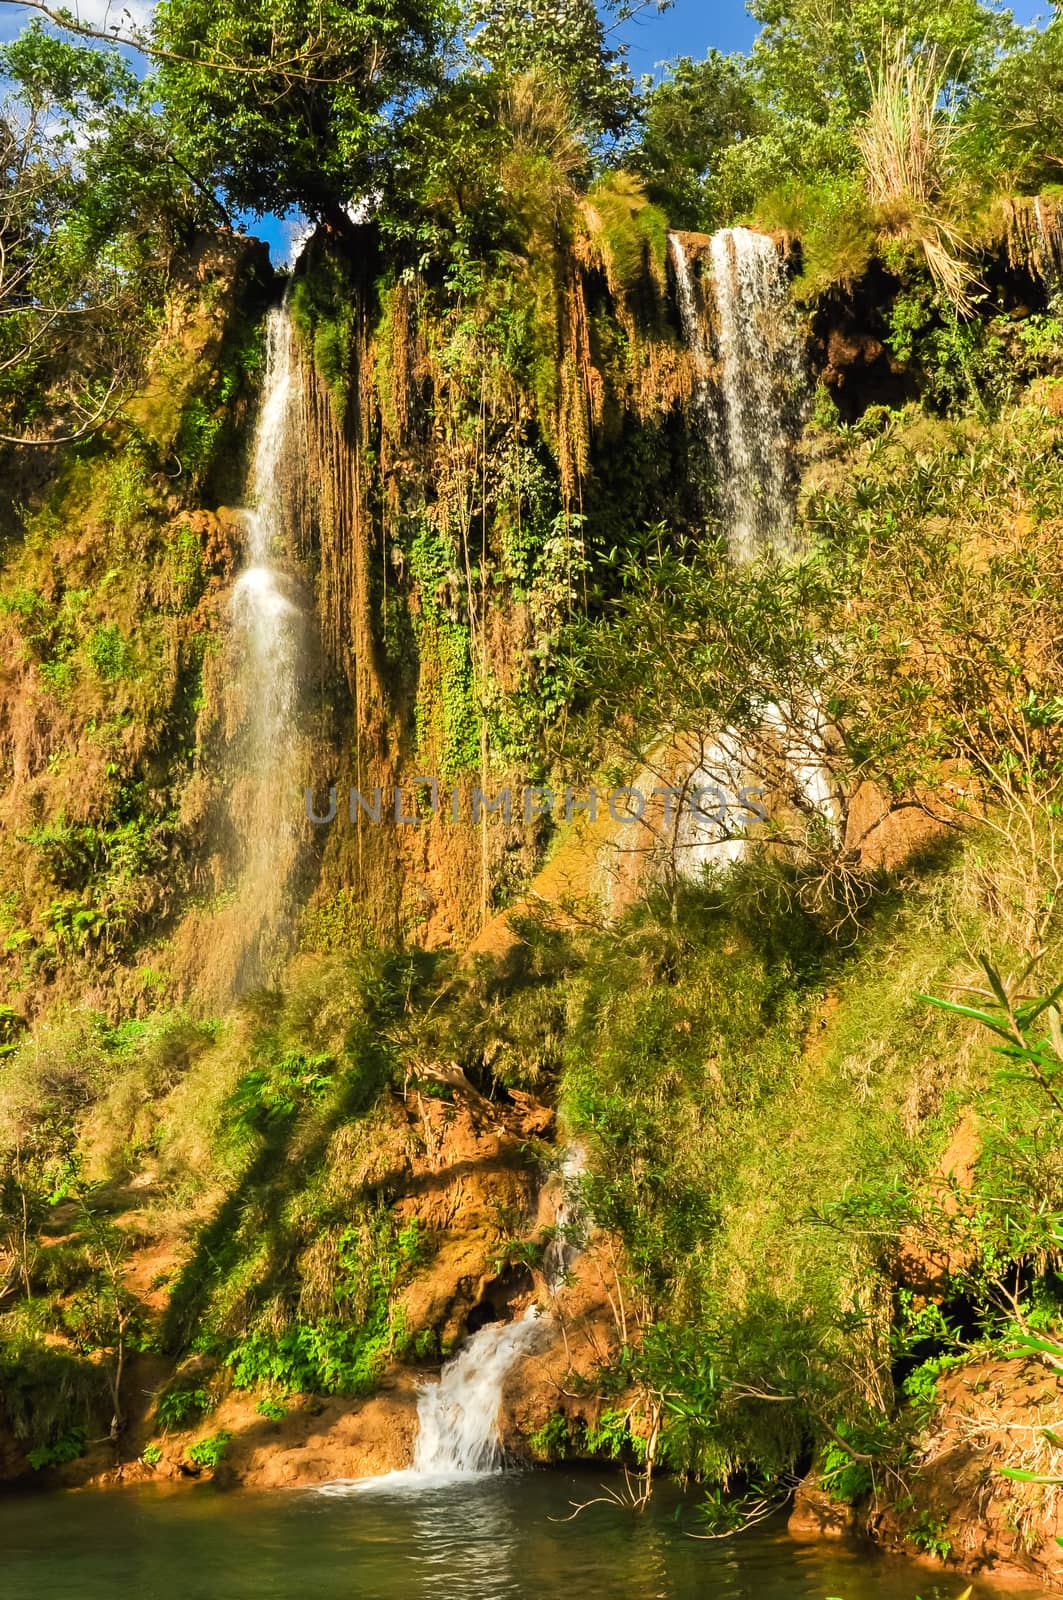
(209, 1452)
(181, 1405)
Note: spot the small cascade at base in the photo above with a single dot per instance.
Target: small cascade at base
(458, 1416)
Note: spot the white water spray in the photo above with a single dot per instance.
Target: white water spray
(761, 380)
(264, 614)
(268, 632)
(749, 382)
(458, 1416)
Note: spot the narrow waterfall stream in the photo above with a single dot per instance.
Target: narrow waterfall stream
(458, 1416)
(694, 331)
(268, 632)
(750, 390)
(761, 381)
(749, 382)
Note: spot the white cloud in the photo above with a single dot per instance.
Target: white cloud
(126, 16)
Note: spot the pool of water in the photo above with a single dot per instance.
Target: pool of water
(509, 1537)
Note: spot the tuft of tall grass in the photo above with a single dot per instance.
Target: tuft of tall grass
(906, 142)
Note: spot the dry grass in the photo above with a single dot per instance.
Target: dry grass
(1031, 230)
(906, 144)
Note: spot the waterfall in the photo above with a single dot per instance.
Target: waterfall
(750, 389)
(268, 636)
(691, 321)
(569, 1221)
(458, 1416)
(760, 380)
(749, 383)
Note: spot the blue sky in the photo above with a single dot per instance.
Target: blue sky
(691, 27)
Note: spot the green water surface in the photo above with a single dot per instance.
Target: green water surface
(501, 1538)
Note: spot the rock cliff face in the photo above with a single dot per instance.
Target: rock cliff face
(992, 1417)
(294, 1166)
(471, 1178)
(956, 1508)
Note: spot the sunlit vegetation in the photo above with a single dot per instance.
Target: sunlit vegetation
(510, 551)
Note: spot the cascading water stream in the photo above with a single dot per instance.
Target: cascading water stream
(761, 380)
(268, 633)
(748, 383)
(569, 1236)
(750, 386)
(458, 1416)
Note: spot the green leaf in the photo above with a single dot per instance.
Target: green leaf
(1026, 1016)
(995, 982)
(984, 1017)
(1025, 1344)
(1019, 1476)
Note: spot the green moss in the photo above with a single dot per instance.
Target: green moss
(447, 715)
(325, 309)
(108, 652)
(183, 562)
(198, 436)
(831, 218)
(634, 232)
(126, 488)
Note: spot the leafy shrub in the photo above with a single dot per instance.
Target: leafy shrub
(67, 1448)
(609, 1436)
(209, 1452)
(180, 1406)
(928, 1533)
(321, 1358)
(273, 1094)
(551, 1442)
(842, 1477)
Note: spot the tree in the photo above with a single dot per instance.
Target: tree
(815, 59)
(102, 1316)
(91, 202)
(1015, 126)
(310, 131)
(567, 41)
(689, 119)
